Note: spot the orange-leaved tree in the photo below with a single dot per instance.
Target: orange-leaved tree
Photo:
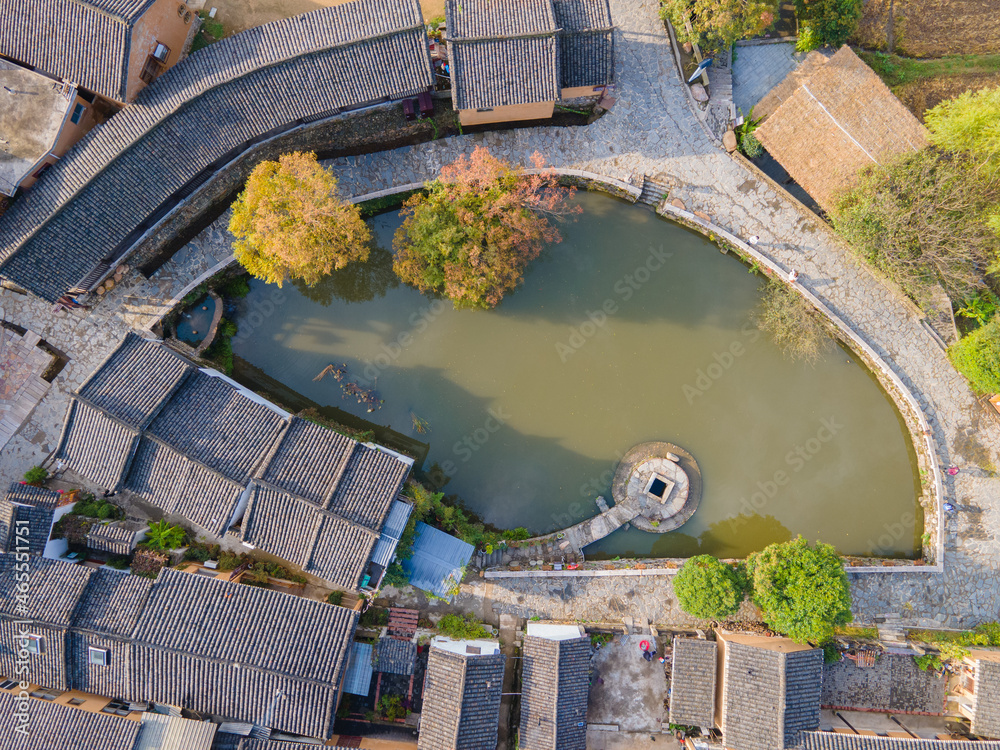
(472, 232)
(290, 222)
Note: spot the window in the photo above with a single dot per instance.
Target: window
(44, 168)
(99, 656)
(117, 707)
(487, 109)
(6, 684)
(46, 694)
(76, 701)
(35, 644)
(77, 113)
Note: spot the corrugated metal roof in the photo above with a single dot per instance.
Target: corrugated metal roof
(392, 532)
(359, 674)
(437, 561)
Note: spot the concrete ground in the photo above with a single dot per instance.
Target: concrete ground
(240, 15)
(626, 689)
(601, 740)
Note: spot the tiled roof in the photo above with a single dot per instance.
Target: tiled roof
(35, 505)
(161, 732)
(111, 603)
(305, 535)
(54, 726)
(84, 41)
(309, 461)
(117, 537)
(471, 19)
(586, 42)
(844, 741)
(253, 83)
(461, 701)
(692, 682)
(582, 15)
(488, 74)
(223, 648)
(986, 706)
(370, 483)
(770, 697)
(555, 688)
(210, 421)
(165, 478)
(394, 656)
(894, 683)
(97, 446)
(56, 588)
(135, 380)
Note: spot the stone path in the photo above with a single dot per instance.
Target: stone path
(651, 131)
(759, 68)
(22, 364)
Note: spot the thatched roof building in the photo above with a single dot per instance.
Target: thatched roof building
(839, 118)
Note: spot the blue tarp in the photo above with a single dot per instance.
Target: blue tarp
(359, 674)
(437, 561)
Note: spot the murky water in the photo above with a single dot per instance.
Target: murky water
(193, 325)
(631, 329)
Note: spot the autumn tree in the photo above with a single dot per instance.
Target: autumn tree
(290, 222)
(472, 232)
(716, 24)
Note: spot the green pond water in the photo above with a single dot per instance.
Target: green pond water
(630, 330)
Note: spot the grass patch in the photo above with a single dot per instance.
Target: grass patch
(898, 71)
(211, 31)
(855, 631)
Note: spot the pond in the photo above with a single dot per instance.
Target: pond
(632, 329)
(195, 321)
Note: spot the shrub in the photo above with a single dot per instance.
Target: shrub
(828, 22)
(36, 476)
(792, 323)
(708, 588)
(831, 654)
(395, 576)
(462, 629)
(147, 563)
(750, 146)
(391, 707)
(716, 24)
(335, 598)
(72, 528)
(802, 591)
(164, 537)
(931, 662)
(374, 617)
(229, 561)
(977, 357)
(236, 287)
(808, 39)
(199, 553)
(118, 562)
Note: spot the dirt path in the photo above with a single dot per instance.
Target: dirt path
(240, 15)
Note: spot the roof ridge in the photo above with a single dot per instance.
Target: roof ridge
(263, 483)
(103, 11)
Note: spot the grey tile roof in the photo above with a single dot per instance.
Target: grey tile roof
(839, 741)
(55, 726)
(111, 603)
(487, 74)
(165, 478)
(223, 648)
(986, 706)
(248, 743)
(770, 696)
(84, 41)
(116, 537)
(461, 702)
(135, 380)
(34, 505)
(893, 683)
(471, 19)
(394, 656)
(324, 545)
(555, 685)
(371, 481)
(221, 97)
(96, 445)
(582, 15)
(309, 461)
(587, 58)
(210, 421)
(692, 682)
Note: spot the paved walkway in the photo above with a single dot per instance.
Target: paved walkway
(22, 364)
(651, 130)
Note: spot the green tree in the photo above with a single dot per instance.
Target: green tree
(163, 536)
(802, 591)
(290, 222)
(977, 357)
(36, 476)
(922, 220)
(716, 24)
(828, 22)
(708, 588)
(470, 235)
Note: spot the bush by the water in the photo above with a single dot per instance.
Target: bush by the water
(792, 323)
(977, 356)
(709, 588)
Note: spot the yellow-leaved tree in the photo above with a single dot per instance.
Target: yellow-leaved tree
(290, 222)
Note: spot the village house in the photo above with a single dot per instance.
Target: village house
(180, 641)
(511, 61)
(195, 444)
(107, 50)
(977, 692)
(831, 118)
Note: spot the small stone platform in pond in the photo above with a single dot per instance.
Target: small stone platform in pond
(663, 480)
